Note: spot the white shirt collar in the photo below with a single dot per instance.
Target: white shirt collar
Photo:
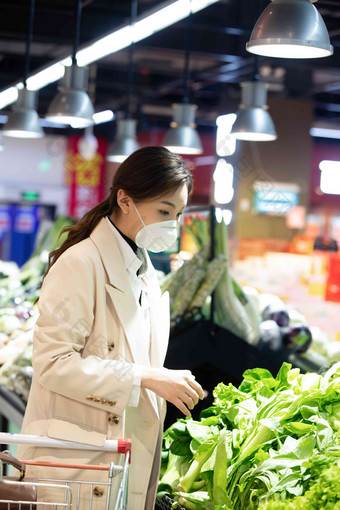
(131, 261)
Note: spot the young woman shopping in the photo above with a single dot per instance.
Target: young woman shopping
(102, 331)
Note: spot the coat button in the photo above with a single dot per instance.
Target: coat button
(113, 420)
(110, 346)
(98, 491)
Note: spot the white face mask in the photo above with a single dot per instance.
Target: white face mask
(158, 236)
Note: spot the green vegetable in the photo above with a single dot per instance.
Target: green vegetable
(323, 486)
(272, 440)
(183, 299)
(215, 269)
(230, 312)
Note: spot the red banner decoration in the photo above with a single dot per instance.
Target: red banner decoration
(85, 178)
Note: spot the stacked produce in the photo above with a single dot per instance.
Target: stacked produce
(284, 327)
(233, 309)
(259, 318)
(270, 444)
(190, 286)
(19, 289)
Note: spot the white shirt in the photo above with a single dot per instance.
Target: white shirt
(136, 264)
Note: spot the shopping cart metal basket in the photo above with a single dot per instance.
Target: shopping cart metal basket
(70, 490)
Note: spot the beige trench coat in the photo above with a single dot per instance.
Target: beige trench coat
(86, 338)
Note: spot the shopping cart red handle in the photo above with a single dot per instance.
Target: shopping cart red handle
(124, 445)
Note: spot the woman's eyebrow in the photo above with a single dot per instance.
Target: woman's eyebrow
(168, 203)
(171, 204)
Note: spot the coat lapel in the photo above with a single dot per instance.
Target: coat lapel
(124, 302)
(120, 291)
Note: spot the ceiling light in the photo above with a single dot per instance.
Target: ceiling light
(150, 24)
(225, 144)
(330, 177)
(49, 75)
(125, 142)
(8, 96)
(23, 120)
(253, 122)
(111, 43)
(325, 132)
(182, 136)
(72, 104)
(290, 29)
(104, 116)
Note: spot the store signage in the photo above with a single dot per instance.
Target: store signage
(5, 220)
(24, 222)
(85, 178)
(275, 198)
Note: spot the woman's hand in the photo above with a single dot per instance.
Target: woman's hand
(176, 386)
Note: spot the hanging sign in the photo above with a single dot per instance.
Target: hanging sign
(85, 178)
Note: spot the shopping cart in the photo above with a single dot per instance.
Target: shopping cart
(70, 491)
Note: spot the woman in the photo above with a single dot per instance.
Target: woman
(102, 332)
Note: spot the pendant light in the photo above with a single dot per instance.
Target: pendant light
(23, 121)
(125, 142)
(253, 122)
(182, 136)
(290, 29)
(72, 104)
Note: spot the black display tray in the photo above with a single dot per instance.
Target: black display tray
(165, 504)
(12, 408)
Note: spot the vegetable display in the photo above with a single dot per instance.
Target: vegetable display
(19, 289)
(271, 443)
(193, 283)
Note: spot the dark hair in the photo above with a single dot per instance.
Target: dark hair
(148, 173)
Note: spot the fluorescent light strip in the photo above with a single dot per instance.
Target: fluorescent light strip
(325, 132)
(8, 96)
(111, 43)
(104, 116)
(48, 75)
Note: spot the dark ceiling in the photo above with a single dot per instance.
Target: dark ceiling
(218, 60)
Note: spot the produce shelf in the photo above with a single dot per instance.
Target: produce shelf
(220, 356)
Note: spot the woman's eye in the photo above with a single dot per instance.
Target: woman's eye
(164, 213)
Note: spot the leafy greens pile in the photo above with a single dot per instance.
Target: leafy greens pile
(269, 441)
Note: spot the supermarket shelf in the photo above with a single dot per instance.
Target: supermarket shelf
(12, 408)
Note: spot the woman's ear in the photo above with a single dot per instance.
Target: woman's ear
(124, 201)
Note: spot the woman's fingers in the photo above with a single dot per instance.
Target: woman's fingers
(189, 400)
(179, 404)
(196, 387)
